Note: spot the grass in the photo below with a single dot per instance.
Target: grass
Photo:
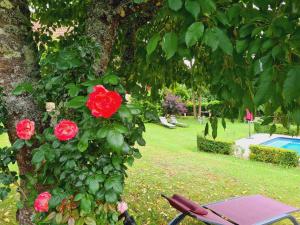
(172, 164)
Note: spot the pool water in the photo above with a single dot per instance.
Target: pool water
(287, 143)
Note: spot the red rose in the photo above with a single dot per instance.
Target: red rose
(25, 129)
(41, 202)
(103, 103)
(65, 130)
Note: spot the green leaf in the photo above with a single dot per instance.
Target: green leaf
(207, 6)
(170, 44)
(102, 132)
(58, 218)
(115, 140)
(125, 114)
(265, 87)
(152, 44)
(111, 79)
(194, 33)
(38, 157)
(78, 197)
(225, 43)
(85, 205)
(90, 221)
(241, 45)
(223, 123)
(222, 18)
(193, 7)
(175, 4)
(19, 143)
(211, 38)
(291, 85)
(82, 145)
(206, 130)
(23, 87)
(73, 90)
(111, 196)
(93, 185)
(214, 126)
(77, 102)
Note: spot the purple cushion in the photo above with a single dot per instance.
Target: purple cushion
(192, 206)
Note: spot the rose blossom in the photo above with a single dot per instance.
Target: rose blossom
(41, 202)
(25, 129)
(65, 130)
(103, 103)
(122, 207)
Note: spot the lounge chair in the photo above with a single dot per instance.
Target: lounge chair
(174, 121)
(164, 122)
(248, 210)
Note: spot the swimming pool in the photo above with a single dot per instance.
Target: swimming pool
(282, 142)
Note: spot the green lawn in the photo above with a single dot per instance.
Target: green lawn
(172, 164)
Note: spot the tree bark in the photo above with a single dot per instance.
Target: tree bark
(18, 63)
(102, 25)
(194, 104)
(199, 106)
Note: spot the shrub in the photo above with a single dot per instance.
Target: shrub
(279, 129)
(173, 105)
(274, 155)
(219, 147)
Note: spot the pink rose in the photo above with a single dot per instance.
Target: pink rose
(122, 207)
(25, 129)
(65, 130)
(41, 202)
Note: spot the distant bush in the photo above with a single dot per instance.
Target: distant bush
(172, 105)
(274, 155)
(219, 147)
(279, 129)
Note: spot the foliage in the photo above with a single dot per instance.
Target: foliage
(150, 110)
(236, 47)
(274, 155)
(220, 147)
(173, 105)
(259, 128)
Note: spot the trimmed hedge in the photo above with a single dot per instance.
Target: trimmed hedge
(279, 129)
(274, 155)
(219, 147)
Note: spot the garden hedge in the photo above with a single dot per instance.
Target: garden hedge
(220, 147)
(279, 129)
(274, 155)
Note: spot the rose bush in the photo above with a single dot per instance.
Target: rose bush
(87, 141)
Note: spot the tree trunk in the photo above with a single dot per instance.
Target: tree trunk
(194, 104)
(102, 25)
(18, 63)
(199, 106)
